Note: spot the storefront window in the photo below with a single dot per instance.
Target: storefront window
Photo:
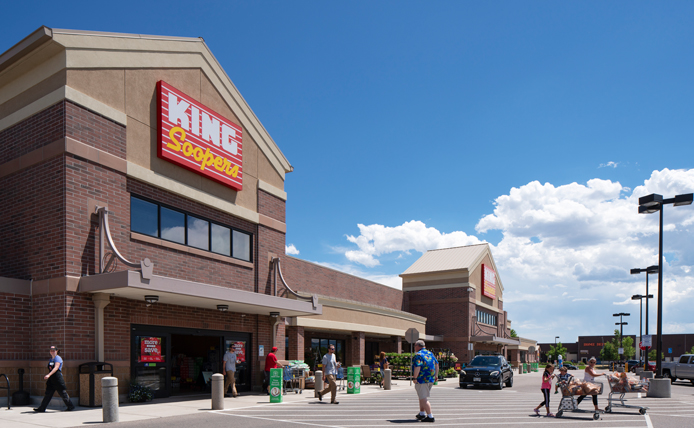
(159, 221)
(485, 318)
(198, 233)
(144, 217)
(221, 240)
(173, 225)
(242, 246)
(319, 347)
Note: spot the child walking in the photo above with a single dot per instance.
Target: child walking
(545, 388)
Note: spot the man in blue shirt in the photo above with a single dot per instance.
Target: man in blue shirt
(425, 369)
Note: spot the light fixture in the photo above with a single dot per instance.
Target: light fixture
(151, 300)
(222, 308)
(274, 314)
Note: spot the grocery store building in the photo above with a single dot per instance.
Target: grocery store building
(143, 225)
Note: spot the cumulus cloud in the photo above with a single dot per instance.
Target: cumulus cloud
(291, 250)
(375, 240)
(568, 247)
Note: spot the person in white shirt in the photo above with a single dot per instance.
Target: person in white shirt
(229, 372)
(330, 366)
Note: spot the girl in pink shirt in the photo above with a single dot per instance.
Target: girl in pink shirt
(546, 387)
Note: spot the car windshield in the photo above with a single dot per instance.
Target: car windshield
(485, 361)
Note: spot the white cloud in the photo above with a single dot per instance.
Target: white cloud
(291, 250)
(376, 240)
(579, 239)
(610, 163)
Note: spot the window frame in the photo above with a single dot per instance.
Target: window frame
(186, 214)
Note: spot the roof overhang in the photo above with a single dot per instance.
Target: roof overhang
(131, 285)
(495, 340)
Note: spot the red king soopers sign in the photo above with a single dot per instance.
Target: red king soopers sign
(198, 139)
(488, 282)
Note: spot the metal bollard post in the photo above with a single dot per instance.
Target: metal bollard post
(217, 391)
(386, 379)
(109, 399)
(319, 383)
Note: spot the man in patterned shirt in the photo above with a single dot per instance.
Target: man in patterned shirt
(425, 372)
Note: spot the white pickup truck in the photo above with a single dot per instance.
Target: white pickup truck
(683, 368)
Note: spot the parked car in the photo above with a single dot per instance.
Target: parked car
(683, 368)
(570, 366)
(490, 370)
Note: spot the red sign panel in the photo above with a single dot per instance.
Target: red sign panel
(195, 137)
(488, 282)
(240, 349)
(150, 350)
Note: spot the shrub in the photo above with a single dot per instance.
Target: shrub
(139, 393)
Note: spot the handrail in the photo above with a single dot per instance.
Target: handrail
(8, 389)
(278, 269)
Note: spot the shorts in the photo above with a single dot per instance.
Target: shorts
(423, 390)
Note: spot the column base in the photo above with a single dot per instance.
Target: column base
(660, 388)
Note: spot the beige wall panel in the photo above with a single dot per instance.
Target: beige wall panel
(107, 86)
(268, 173)
(248, 197)
(45, 62)
(32, 94)
(212, 99)
(250, 156)
(140, 143)
(141, 86)
(350, 316)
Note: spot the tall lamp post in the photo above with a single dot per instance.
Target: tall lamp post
(621, 324)
(648, 205)
(649, 270)
(640, 298)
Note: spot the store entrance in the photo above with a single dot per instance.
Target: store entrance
(180, 361)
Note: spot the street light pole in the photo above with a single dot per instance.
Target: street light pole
(640, 298)
(649, 270)
(621, 333)
(648, 205)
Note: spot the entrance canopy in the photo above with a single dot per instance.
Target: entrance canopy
(131, 285)
(495, 340)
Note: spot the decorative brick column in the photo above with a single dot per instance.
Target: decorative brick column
(358, 348)
(296, 343)
(398, 344)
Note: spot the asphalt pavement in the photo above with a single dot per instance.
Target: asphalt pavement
(375, 407)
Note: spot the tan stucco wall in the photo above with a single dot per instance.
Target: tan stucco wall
(372, 319)
(476, 278)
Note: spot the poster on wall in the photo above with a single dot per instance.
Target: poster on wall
(195, 137)
(240, 351)
(488, 282)
(150, 350)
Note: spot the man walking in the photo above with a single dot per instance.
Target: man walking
(425, 372)
(229, 372)
(330, 366)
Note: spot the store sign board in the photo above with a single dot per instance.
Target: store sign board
(353, 380)
(195, 137)
(240, 351)
(488, 282)
(275, 385)
(150, 350)
(647, 341)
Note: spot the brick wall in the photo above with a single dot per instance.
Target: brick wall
(271, 206)
(15, 326)
(33, 133)
(307, 277)
(94, 130)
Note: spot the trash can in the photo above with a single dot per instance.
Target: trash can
(90, 382)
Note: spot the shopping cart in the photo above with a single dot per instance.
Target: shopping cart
(569, 391)
(621, 386)
(291, 379)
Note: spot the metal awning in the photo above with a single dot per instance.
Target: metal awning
(131, 285)
(495, 340)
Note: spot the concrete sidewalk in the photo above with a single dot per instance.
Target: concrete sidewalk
(25, 417)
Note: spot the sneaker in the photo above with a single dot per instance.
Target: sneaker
(335, 402)
(556, 392)
(428, 419)
(37, 410)
(420, 417)
(69, 409)
(320, 396)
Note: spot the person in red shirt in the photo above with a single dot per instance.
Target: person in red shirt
(270, 363)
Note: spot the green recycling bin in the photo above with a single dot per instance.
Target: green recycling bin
(275, 385)
(353, 380)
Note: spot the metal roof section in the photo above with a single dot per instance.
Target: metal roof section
(94, 49)
(448, 259)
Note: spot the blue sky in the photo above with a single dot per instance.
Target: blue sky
(534, 126)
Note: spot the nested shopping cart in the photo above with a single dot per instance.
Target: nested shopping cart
(291, 378)
(620, 387)
(568, 400)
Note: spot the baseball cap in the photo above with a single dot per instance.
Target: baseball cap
(274, 349)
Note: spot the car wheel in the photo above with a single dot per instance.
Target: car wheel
(463, 385)
(560, 413)
(501, 383)
(666, 375)
(509, 382)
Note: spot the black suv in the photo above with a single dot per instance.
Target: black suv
(491, 370)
